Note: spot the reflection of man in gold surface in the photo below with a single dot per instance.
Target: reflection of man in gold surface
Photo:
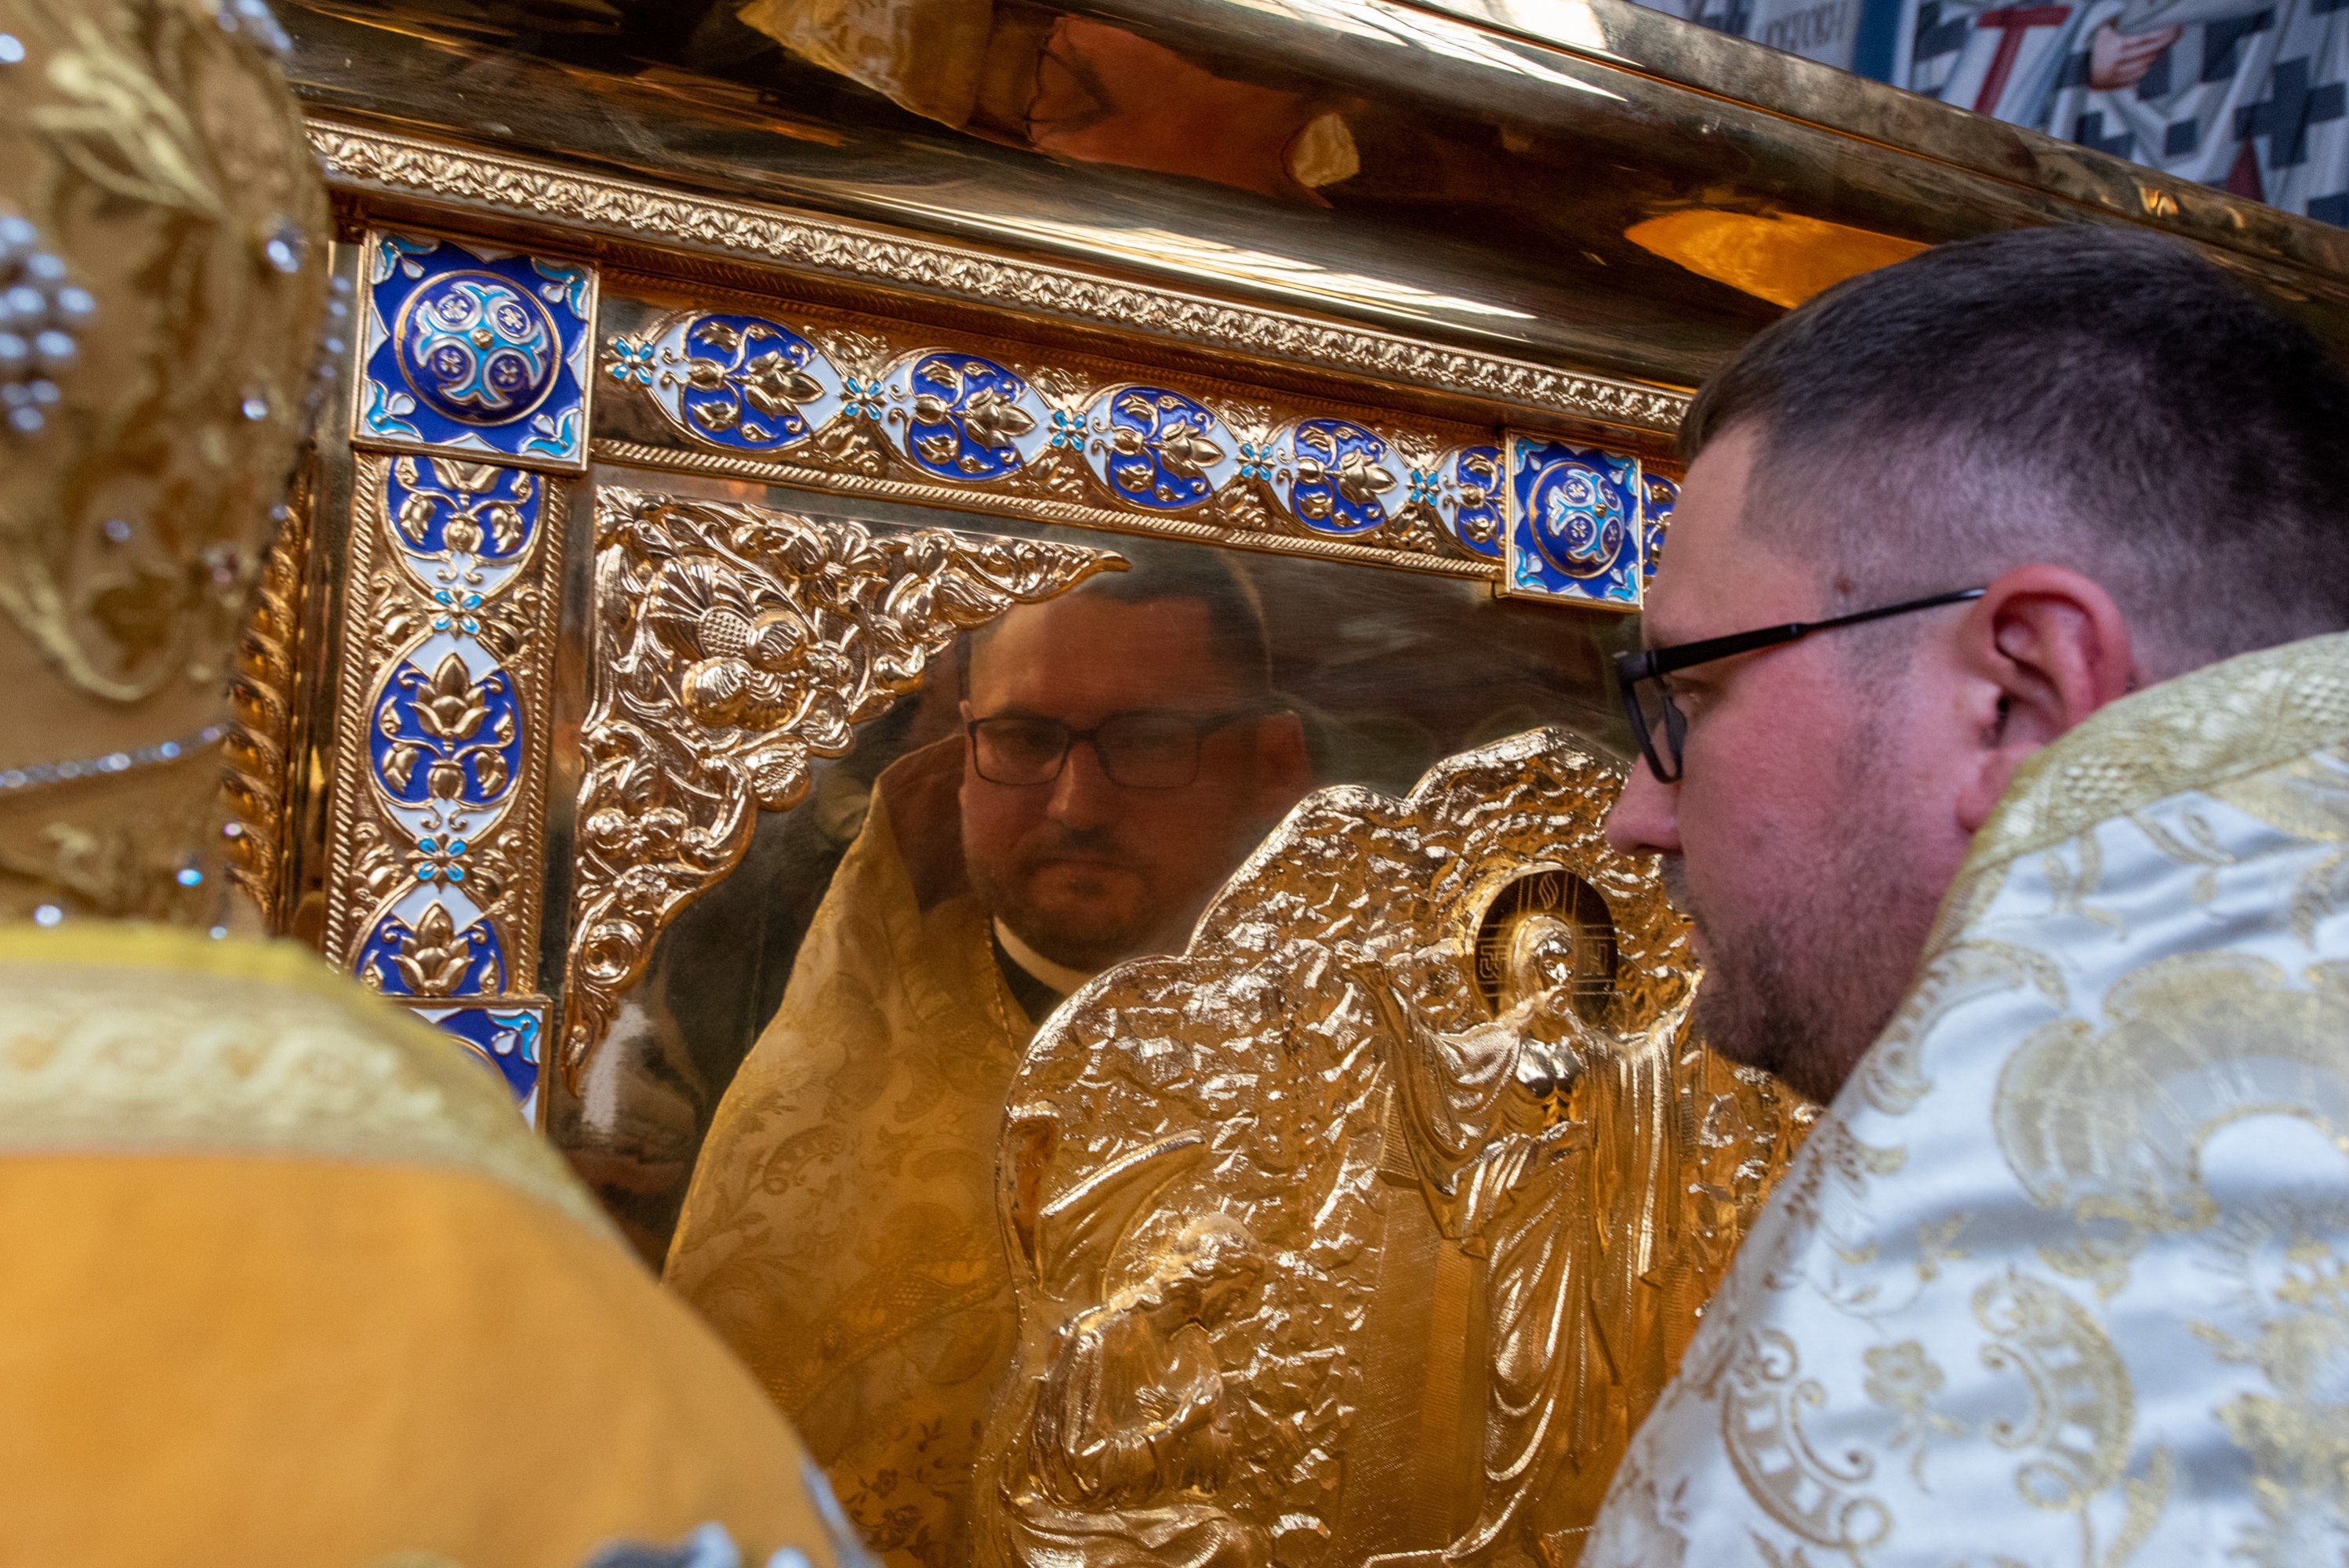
(1122, 750)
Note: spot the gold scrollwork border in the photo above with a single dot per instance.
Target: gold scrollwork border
(731, 645)
(360, 158)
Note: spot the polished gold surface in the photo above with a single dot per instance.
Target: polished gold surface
(162, 232)
(1368, 1227)
(734, 645)
(259, 745)
(1425, 1071)
(1465, 176)
(389, 166)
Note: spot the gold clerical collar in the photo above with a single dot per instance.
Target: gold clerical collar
(1059, 977)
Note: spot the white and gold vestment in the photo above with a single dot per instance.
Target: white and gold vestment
(2063, 1275)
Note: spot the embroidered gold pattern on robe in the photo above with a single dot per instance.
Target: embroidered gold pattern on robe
(840, 1230)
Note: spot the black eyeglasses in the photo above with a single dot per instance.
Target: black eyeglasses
(1633, 670)
(1145, 750)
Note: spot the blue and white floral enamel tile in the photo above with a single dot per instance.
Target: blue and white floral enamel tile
(1575, 531)
(466, 350)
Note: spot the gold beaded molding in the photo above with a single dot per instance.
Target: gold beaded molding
(371, 160)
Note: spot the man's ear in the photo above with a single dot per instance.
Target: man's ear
(2044, 647)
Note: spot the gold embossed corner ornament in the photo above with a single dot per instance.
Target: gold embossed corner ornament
(1371, 1226)
(732, 645)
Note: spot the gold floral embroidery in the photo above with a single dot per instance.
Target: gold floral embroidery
(2081, 1416)
(1903, 1379)
(1815, 1496)
(2111, 1126)
(148, 1038)
(1889, 1075)
(2296, 1438)
(2310, 801)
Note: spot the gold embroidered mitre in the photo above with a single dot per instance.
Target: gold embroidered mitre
(163, 275)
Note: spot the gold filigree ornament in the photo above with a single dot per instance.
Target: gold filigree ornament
(733, 644)
(1368, 1227)
(161, 245)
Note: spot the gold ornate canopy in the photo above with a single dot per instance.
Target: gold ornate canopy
(710, 365)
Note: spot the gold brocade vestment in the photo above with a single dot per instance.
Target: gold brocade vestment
(2062, 1277)
(289, 1284)
(840, 1232)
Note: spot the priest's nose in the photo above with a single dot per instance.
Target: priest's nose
(1646, 818)
(1083, 796)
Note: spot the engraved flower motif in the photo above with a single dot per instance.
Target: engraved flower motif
(992, 419)
(631, 361)
(1360, 479)
(776, 386)
(1902, 1377)
(860, 399)
(1186, 451)
(451, 707)
(432, 958)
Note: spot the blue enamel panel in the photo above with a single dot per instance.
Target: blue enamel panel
(963, 417)
(1331, 475)
(462, 527)
(1157, 448)
(446, 734)
(471, 350)
(1574, 529)
(1660, 495)
(733, 380)
(509, 1034)
(1464, 489)
(408, 955)
(507, 1038)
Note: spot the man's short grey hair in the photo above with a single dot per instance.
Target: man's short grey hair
(2093, 397)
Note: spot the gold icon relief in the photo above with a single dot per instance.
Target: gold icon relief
(1369, 1227)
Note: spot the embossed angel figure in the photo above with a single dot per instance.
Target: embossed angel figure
(1132, 1430)
(1528, 1134)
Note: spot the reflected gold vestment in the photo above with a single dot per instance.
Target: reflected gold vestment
(840, 1232)
(2062, 1277)
(289, 1283)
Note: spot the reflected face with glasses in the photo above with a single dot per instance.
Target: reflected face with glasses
(1119, 759)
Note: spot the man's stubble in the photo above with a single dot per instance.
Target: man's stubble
(1802, 991)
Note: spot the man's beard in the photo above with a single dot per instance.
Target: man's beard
(1804, 993)
(1083, 939)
